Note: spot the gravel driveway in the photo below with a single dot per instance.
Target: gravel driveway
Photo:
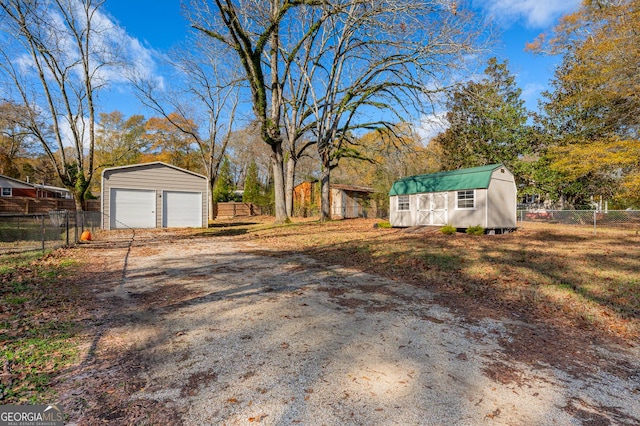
(214, 331)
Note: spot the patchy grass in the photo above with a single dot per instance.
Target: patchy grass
(38, 331)
(543, 272)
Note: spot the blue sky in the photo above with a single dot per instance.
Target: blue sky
(154, 26)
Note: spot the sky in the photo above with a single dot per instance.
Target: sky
(154, 26)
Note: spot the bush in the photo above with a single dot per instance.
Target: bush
(448, 230)
(475, 230)
(383, 225)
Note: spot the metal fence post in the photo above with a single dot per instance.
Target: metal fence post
(594, 222)
(43, 233)
(67, 225)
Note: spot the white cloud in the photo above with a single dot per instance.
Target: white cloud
(431, 125)
(115, 54)
(531, 92)
(534, 13)
(133, 58)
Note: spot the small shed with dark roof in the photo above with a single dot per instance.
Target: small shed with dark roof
(347, 201)
(484, 196)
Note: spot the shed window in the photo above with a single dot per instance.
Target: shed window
(6, 192)
(403, 202)
(466, 200)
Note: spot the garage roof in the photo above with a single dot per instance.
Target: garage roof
(152, 163)
(454, 180)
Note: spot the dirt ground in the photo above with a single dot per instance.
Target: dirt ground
(198, 330)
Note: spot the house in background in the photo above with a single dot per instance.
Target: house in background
(154, 195)
(10, 187)
(347, 201)
(484, 196)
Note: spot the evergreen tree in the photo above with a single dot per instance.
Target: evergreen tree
(223, 188)
(251, 185)
(488, 123)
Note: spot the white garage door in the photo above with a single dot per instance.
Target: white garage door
(182, 209)
(133, 208)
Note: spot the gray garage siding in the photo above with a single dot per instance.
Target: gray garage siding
(156, 176)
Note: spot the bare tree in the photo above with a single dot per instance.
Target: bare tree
(246, 147)
(207, 92)
(298, 49)
(54, 57)
(373, 65)
(333, 67)
(251, 28)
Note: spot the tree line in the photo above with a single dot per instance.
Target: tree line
(584, 140)
(289, 89)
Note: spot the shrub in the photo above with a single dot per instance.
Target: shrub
(448, 230)
(383, 225)
(475, 230)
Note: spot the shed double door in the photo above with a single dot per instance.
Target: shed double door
(432, 208)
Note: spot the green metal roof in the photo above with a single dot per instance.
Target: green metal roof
(454, 180)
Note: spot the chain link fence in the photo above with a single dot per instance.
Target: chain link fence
(42, 231)
(622, 219)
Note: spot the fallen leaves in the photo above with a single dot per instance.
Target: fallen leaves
(501, 272)
(495, 413)
(308, 393)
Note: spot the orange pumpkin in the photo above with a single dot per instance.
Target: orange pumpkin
(85, 236)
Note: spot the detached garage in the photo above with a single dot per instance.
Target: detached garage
(153, 195)
(484, 196)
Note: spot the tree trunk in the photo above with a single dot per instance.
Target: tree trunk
(277, 162)
(213, 208)
(77, 198)
(290, 180)
(79, 190)
(325, 193)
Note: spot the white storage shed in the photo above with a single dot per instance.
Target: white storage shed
(484, 196)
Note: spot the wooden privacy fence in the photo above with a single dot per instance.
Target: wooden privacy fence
(28, 205)
(238, 209)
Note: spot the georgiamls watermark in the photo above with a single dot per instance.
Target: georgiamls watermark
(31, 415)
